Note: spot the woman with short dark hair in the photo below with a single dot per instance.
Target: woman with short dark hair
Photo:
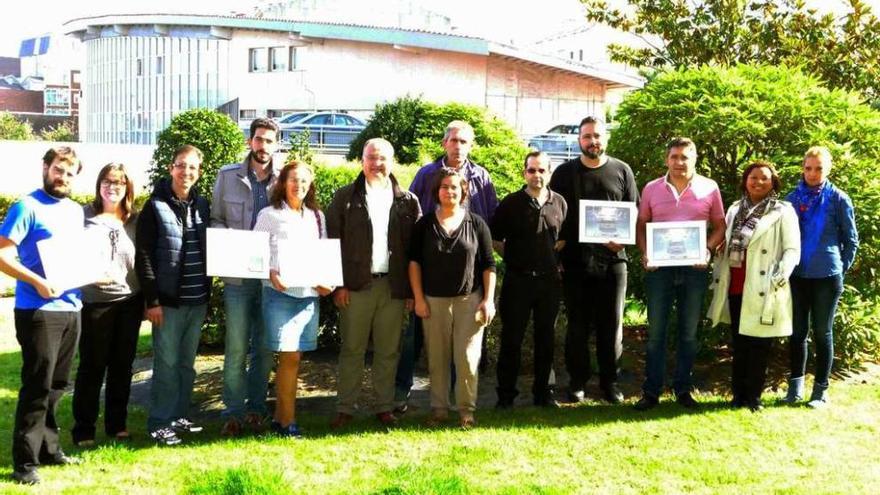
(752, 294)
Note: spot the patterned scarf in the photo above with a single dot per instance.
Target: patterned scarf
(810, 204)
(744, 226)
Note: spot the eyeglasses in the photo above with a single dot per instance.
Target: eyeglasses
(186, 166)
(113, 183)
(536, 170)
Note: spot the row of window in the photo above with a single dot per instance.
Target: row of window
(272, 59)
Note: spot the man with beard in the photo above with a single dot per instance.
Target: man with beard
(47, 320)
(594, 276)
(241, 191)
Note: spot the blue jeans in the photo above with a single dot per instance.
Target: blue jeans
(175, 344)
(685, 288)
(245, 344)
(814, 301)
(411, 344)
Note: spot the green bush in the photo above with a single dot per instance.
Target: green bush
(63, 132)
(219, 138)
(740, 114)
(14, 130)
(415, 128)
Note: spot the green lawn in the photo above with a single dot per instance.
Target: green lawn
(593, 448)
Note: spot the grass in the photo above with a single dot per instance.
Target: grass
(593, 448)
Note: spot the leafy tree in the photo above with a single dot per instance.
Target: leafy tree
(219, 138)
(63, 132)
(14, 130)
(743, 113)
(844, 52)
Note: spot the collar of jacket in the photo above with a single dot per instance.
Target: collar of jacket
(163, 191)
(245, 165)
(360, 188)
(770, 217)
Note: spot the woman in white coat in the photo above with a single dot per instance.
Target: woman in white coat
(752, 294)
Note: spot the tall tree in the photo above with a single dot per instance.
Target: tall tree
(843, 51)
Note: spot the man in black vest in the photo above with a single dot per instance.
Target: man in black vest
(170, 263)
(594, 277)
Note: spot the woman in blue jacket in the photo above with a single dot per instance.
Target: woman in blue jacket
(828, 247)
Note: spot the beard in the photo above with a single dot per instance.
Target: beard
(262, 161)
(57, 190)
(592, 152)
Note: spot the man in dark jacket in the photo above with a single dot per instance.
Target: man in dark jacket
(170, 263)
(373, 218)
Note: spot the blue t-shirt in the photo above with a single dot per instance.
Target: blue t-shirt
(31, 219)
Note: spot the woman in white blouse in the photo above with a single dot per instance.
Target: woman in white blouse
(290, 313)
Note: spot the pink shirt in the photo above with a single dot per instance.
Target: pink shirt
(700, 200)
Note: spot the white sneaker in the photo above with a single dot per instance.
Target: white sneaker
(165, 436)
(184, 425)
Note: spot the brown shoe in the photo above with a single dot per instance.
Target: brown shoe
(255, 422)
(467, 421)
(341, 420)
(231, 428)
(437, 418)
(387, 418)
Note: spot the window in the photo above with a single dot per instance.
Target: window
(160, 65)
(247, 114)
(258, 60)
(278, 56)
(325, 119)
(140, 67)
(292, 62)
(274, 113)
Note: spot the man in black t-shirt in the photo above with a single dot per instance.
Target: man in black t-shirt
(594, 276)
(525, 230)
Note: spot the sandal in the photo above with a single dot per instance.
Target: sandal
(467, 422)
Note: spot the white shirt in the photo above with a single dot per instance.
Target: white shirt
(287, 223)
(379, 201)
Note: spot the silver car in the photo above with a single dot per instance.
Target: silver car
(333, 131)
(560, 142)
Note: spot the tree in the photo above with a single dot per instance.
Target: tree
(219, 138)
(743, 113)
(844, 52)
(14, 130)
(63, 132)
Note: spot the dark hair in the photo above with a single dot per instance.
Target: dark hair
(449, 172)
(680, 142)
(777, 184)
(64, 154)
(127, 203)
(590, 120)
(279, 193)
(532, 154)
(263, 123)
(187, 149)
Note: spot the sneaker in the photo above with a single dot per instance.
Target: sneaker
(165, 436)
(401, 408)
(60, 459)
(26, 477)
(576, 396)
(256, 422)
(546, 402)
(686, 400)
(818, 403)
(387, 418)
(645, 403)
(612, 394)
(184, 425)
(289, 431)
(231, 428)
(755, 405)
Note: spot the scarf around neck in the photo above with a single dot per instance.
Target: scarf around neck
(811, 205)
(744, 226)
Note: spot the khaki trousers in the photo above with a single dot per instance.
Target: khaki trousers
(453, 332)
(370, 311)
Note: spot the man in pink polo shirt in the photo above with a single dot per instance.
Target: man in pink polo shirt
(680, 195)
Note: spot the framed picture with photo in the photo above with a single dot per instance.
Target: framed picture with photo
(607, 221)
(676, 243)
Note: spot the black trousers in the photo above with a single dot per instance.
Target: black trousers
(594, 304)
(749, 358)
(48, 341)
(523, 295)
(107, 347)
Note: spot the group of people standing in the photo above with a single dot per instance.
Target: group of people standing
(426, 252)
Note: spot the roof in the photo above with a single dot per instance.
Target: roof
(216, 26)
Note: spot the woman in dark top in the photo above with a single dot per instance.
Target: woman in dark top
(111, 314)
(829, 242)
(452, 273)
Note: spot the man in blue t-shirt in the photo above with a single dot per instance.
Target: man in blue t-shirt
(47, 320)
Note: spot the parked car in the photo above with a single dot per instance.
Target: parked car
(560, 142)
(329, 130)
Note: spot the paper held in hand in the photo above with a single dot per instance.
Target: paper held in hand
(76, 259)
(237, 253)
(310, 262)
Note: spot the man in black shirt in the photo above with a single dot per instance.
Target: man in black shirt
(594, 277)
(525, 230)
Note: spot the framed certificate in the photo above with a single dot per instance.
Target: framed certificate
(237, 253)
(676, 243)
(310, 262)
(604, 221)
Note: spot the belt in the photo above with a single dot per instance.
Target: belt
(534, 273)
(379, 275)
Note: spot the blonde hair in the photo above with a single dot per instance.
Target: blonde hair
(819, 151)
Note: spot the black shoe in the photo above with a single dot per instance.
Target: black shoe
(549, 403)
(612, 394)
(26, 477)
(504, 404)
(737, 402)
(686, 400)
(60, 459)
(576, 396)
(755, 405)
(646, 402)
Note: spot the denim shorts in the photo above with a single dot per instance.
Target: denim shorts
(291, 322)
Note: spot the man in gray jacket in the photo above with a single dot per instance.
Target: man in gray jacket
(241, 191)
